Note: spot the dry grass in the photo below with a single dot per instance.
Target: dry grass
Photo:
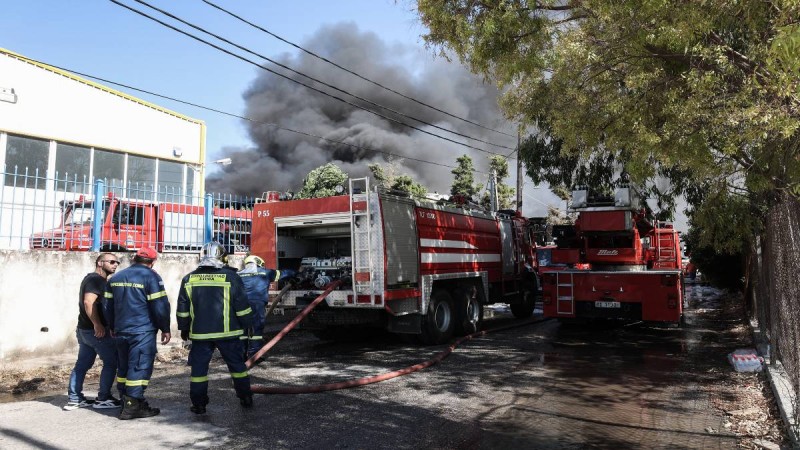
(17, 381)
(745, 399)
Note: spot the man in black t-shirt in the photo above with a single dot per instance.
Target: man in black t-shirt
(94, 339)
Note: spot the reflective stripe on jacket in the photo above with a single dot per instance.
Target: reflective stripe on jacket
(212, 304)
(135, 301)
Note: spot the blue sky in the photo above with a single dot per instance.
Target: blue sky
(100, 38)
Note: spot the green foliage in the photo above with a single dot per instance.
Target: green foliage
(322, 182)
(405, 183)
(464, 178)
(721, 269)
(702, 93)
(379, 174)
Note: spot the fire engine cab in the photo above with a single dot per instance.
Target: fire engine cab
(631, 266)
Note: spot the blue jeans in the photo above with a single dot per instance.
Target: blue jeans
(89, 347)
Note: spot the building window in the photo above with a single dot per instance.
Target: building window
(110, 167)
(170, 181)
(26, 154)
(191, 196)
(141, 177)
(72, 168)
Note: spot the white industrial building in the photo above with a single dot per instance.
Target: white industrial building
(60, 132)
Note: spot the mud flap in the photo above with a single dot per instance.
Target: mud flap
(405, 324)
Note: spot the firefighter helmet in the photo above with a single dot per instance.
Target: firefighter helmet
(254, 259)
(214, 251)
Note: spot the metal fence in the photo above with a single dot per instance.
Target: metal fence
(776, 288)
(66, 213)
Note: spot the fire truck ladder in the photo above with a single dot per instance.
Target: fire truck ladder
(565, 301)
(360, 231)
(666, 247)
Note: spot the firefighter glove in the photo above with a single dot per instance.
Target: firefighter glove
(185, 335)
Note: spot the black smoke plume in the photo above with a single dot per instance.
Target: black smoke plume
(279, 160)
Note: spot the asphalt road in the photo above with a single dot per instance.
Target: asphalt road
(540, 386)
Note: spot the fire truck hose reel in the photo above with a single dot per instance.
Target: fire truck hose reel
(260, 389)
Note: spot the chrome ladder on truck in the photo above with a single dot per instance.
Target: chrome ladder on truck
(361, 239)
(565, 301)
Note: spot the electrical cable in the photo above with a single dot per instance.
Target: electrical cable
(143, 14)
(322, 58)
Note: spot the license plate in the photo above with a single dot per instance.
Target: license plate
(606, 304)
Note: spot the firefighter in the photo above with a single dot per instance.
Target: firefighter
(256, 281)
(136, 307)
(213, 312)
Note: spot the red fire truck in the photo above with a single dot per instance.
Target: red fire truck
(632, 267)
(128, 225)
(412, 267)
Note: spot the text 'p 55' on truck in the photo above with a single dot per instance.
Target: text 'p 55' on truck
(410, 266)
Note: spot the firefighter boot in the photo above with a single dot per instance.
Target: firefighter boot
(246, 401)
(133, 408)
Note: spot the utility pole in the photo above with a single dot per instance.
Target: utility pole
(519, 175)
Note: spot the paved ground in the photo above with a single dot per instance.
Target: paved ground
(538, 386)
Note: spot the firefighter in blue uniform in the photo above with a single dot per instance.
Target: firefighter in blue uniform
(136, 307)
(213, 312)
(256, 281)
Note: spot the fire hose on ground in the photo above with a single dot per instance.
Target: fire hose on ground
(260, 389)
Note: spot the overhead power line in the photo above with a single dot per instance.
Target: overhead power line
(260, 122)
(322, 58)
(299, 82)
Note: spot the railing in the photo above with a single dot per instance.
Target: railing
(61, 213)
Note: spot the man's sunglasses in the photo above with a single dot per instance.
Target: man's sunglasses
(111, 261)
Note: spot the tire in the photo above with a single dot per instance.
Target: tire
(469, 312)
(439, 321)
(523, 308)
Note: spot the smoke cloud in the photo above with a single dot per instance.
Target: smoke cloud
(279, 160)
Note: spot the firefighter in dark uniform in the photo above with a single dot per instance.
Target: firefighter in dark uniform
(136, 307)
(256, 281)
(213, 312)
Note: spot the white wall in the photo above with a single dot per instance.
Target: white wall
(40, 289)
(52, 105)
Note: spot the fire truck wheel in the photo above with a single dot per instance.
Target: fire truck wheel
(523, 308)
(469, 312)
(438, 322)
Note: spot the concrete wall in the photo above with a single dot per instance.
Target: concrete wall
(39, 291)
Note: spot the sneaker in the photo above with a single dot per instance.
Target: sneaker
(81, 404)
(109, 403)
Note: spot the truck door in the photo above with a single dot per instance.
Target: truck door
(134, 226)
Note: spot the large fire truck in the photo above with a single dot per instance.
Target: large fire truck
(413, 267)
(631, 266)
(128, 225)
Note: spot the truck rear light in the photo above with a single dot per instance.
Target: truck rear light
(672, 301)
(364, 299)
(669, 280)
